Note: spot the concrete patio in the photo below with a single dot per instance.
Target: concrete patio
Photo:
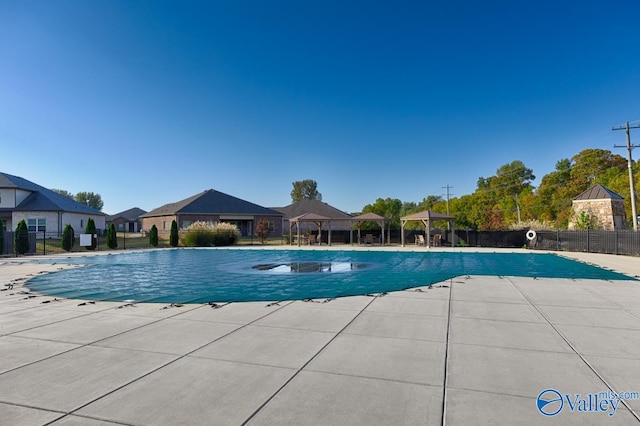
(470, 350)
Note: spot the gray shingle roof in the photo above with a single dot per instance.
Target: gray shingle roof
(340, 221)
(598, 192)
(312, 206)
(43, 199)
(130, 215)
(212, 202)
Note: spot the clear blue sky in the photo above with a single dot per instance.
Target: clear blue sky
(150, 102)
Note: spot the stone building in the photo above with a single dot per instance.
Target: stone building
(604, 207)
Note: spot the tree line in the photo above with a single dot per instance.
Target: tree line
(509, 200)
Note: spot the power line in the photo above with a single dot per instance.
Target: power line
(630, 147)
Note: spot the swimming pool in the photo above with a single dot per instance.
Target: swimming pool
(240, 275)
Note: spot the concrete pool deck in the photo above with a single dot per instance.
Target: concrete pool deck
(470, 350)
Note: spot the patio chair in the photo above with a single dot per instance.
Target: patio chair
(312, 239)
(419, 240)
(437, 240)
(368, 239)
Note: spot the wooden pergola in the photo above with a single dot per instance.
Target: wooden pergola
(308, 217)
(368, 217)
(426, 217)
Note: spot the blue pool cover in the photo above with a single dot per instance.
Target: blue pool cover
(240, 275)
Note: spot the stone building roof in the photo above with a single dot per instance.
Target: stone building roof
(598, 192)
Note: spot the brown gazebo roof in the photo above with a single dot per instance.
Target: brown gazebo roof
(369, 216)
(427, 215)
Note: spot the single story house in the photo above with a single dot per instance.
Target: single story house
(212, 206)
(127, 221)
(42, 209)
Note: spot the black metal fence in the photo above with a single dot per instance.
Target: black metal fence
(50, 242)
(625, 242)
(592, 241)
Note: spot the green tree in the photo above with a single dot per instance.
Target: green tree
(586, 221)
(589, 165)
(90, 199)
(112, 237)
(512, 178)
(461, 208)
(305, 190)
(174, 236)
(21, 238)
(390, 208)
(64, 192)
(153, 236)
(91, 230)
(498, 196)
(429, 202)
(68, 239)
(554, 195)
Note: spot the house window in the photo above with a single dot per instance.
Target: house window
(82, 223)
(120, 226)
(186, 223)
(164, 226)
(37, 225)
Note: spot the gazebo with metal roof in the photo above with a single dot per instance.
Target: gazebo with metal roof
(426, 217)
(308, 217)
(368, 217)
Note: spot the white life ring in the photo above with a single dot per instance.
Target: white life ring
(531, 235)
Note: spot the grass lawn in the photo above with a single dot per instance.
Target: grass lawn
(125, 242)
(135, 241)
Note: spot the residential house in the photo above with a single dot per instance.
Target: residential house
(212, 206)
(127, 221)
(42, 209)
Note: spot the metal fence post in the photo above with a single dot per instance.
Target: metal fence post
(588, 247)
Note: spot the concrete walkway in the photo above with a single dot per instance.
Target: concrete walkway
(471, 350)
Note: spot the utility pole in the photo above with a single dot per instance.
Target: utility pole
(448, 187)
(630, 165)
(448, 194)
